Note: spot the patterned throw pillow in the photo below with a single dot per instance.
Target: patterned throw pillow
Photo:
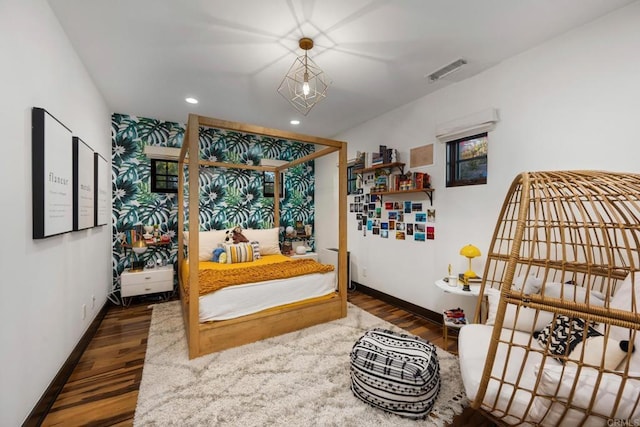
(239, 252)
(256, 249)
(563, 335)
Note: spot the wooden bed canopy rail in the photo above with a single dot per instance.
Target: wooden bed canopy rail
(214, 336)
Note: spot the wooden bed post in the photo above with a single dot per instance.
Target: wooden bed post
(342, 226)
(194, 232)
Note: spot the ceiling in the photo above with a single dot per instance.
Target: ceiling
(147, 56)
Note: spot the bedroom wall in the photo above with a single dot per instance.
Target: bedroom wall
(570, 103)
(227, 197)
(45, 282)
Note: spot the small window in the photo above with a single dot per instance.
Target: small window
(164, 176)
(467, 161)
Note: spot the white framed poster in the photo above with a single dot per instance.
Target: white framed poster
(52, 175)
(83, 177)
(102, 188)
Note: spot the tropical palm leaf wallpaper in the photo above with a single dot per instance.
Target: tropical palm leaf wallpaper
(228, 197)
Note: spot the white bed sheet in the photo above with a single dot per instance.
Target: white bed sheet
(240, 300)
(473, 346)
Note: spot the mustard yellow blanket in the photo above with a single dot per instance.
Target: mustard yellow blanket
(216, 276)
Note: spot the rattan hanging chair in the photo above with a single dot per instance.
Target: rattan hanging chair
(554, 343)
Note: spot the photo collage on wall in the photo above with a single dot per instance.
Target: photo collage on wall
(405, 220)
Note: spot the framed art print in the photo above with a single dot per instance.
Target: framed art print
(52, 175)
(83, 188)
(102, 190)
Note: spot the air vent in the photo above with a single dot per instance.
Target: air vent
(446, 70)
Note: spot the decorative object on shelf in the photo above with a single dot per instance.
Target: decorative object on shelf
(287, 246)
(138, 248)
(301, 250)
(470, 252)
(290, 231)
(308, 229)
(300, 227)
(305, 84)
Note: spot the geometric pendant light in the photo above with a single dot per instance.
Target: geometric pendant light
(305, 84)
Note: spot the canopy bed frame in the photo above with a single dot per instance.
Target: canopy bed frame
(563, 259)
(204, 338)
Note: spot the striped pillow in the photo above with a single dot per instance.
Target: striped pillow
(239, 252)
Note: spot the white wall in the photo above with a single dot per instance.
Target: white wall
(44, 282)
(571, 103)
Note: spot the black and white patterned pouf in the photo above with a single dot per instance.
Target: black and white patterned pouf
(397, 373)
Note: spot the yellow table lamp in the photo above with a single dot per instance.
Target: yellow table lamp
(470, 252)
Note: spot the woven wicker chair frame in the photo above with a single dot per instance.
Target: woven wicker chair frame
(578, 226)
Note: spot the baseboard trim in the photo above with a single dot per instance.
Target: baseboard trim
(41, 409)
(432, 316)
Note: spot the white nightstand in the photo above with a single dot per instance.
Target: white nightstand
(310, 255)
(147, 281)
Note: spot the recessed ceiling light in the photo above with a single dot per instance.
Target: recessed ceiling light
(191, 100)
(295, 122)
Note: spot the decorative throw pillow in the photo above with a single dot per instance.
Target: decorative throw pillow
(256, 249)
(563, 335)
(269, 239)
(239, 252)
(527, 284)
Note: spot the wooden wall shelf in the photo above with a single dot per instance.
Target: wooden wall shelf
(398, 165)
(427, 191)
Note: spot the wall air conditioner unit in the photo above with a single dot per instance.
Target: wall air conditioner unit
(162, 153)
(473, 124)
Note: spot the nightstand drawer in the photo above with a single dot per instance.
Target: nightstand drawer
(146, 288)
(146, 282)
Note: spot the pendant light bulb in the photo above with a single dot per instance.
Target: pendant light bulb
(305, 85)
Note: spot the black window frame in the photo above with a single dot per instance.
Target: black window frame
(454, 162)
(163, 172)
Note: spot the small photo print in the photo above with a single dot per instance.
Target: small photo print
(410, 229)
(399, 235)
(378, 212)
(419, 228)
(367, 198)
(392, 225)
(371, 214)
(407, 207)
(393, 215)
(418, 237)
(431, 233)
(416, 207)
(372, 206)
(359, 226)
(364, 220)
(421, 217)
(384, 225)
(396, 206)
(431, 215)
(376, 231)
(400, 226)
(359, 217)
(374, 198)
(388, 206)
(352, 207)
(369, 224)
(401, 216)
(364, 231)
(384, 234)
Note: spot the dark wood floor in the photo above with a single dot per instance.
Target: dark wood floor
(103, 389)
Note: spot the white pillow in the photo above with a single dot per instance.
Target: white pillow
(558, 381)
(529, 285)
(208, 241)
(526, 320)
(269, 239)
(573, 293)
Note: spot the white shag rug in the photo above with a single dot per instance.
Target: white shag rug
(297, 379)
